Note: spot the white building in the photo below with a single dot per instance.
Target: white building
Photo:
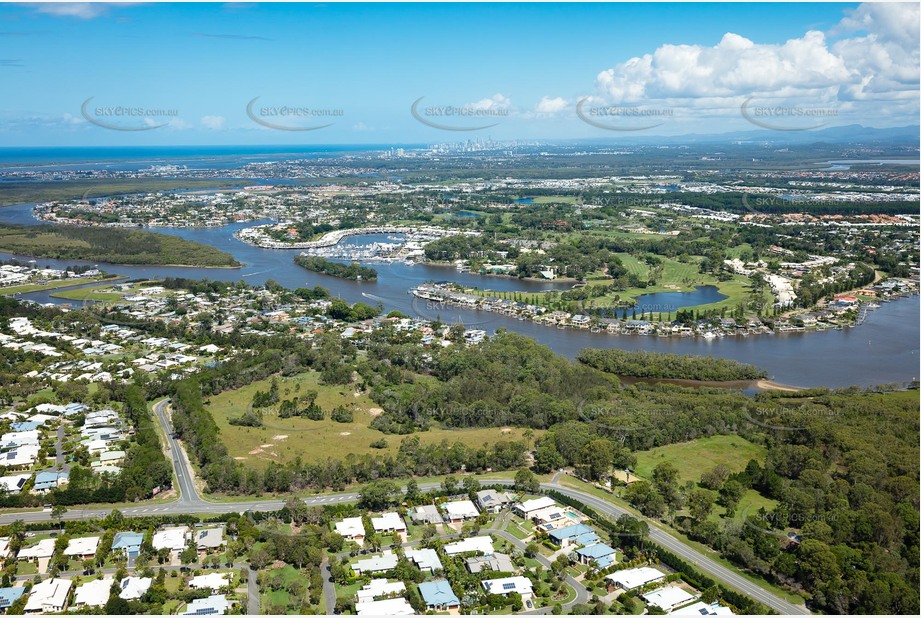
(93, 594)
(377, 564)
(379, 588)
(482, 544)
(83, 548)
(215, 581)
(134, 587)
(351, 528)
(459, 510)
(388, 522)
(49, 596)
(42, 549)
(507, 585)
(702, 609)
(173, 539)
(385, 607)
(524, 509)
(668, 598)
(628, 579)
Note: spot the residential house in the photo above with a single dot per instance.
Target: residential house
(507, 585)
(82, 548)
(482, 544)
(668, 598)
(426, 514)
(93, 594)
(387, 523)
(47, 480)
(498, 562)
(174, 539)
(134, 587)
(128, 542)
(352, 528)
(378, 588)
(8, 596)
(492, 501)
(49, 596)
(629, 579)
(214, 581)
(600, 555)
(576, 534)
(377, 564)
(524, 509)
(42, 549)
(702, 609)
(209, 539)
(438, 596)
(425, 559)
(215, 604)
(460, 510)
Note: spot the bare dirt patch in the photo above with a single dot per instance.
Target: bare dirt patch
(376, 411)
(345, 433)
(280, 437)
(255, 451)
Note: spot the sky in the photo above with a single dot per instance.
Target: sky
(86, 74)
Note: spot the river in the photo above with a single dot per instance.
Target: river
(884, 349)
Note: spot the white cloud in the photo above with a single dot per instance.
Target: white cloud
(548, 105)
(213, 122)
(497, 101)
(883, 63)
(81, 10)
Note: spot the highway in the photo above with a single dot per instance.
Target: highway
(190, 501)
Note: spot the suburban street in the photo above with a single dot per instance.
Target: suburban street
(191, 502)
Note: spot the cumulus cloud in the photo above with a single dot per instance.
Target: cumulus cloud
(213, 122)
(497, 101)
(548, 105)
(873, 53)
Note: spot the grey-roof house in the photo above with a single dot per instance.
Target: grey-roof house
(209, 538)
(492, 501)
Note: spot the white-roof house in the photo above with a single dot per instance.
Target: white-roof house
(481, 544)
(388, 522)
(460, 510)
(173, 539)
(668, 598)
(529, 506)
(351, 528)
(215, 581)
(93, 594)
(49, 596)
(507, 585)
(134, 587)
(84, 547)
(42, 549)
(628, 579)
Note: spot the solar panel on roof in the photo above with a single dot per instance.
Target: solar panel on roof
(508, 586)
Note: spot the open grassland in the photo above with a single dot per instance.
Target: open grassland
(51, 285)
(283, 440)
(698, 456)
(100, 293)
(27, 192)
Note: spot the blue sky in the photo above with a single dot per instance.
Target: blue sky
(666, 69)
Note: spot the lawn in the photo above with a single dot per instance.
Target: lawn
(51, 285)
(282, 440)
(101, 293)
(698, 456)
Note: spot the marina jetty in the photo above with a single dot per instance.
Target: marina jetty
(420, 234)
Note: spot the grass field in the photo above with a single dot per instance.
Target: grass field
(675, 277)
(698, 456)
(282, 440)
(101, 293)
(51, 285)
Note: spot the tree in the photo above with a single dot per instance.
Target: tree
(700, 504)
(258, 559)
(526, 481)
(597, 457)
(665, 479)
(377, 495)
(449, 485)
(471, 486)
(412, 491)
(57, 512)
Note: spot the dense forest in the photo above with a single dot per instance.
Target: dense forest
(642, 364)
(112, 245)
(354, 271)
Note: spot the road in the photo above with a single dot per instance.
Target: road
(191, 502)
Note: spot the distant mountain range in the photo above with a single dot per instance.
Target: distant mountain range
(847, 134)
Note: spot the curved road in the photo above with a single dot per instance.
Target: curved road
(191, 502)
